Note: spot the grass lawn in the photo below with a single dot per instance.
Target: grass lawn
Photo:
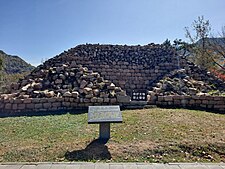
(146, 135)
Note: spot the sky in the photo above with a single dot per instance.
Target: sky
(37, 30)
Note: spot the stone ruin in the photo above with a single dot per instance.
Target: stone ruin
(68, 81)
(94, 74)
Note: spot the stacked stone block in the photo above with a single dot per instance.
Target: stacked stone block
(216, 103)
(77, 78)
(130, 67)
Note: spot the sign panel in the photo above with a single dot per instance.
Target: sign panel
(139, 95)
(104, 114)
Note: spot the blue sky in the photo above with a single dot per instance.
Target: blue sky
(40, 29)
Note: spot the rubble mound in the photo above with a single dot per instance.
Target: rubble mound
(148, 56)
(189, 82)
(65, 80)
(152, 66)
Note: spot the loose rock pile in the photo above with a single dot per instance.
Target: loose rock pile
(68, 81)
(190, 81)
(147, 55)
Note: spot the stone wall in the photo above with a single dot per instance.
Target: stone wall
(214, 103)
(12, 106)
(106, 74)
(130, 67)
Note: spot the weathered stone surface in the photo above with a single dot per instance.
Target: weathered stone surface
(49, 93)
(30, 106)
(21, 106)
(66, 104)
(75, 94)
(37, 86)
(153, 67)
(67, 94)
(111, 86)
(25, 88)
(58, 81)
(89, 96)
(96, 92)
(14, 107)
(56, 104)
(46, 105)
(183, 82)
(8, 106)
(94, 99)
(113, 100)
(88, 90)
(123, 99)
(28, 100)
(62, 80)
(100, 100)
(106, 100)
(168, 98)
(38, 106)
(104, 95)
(83, 83)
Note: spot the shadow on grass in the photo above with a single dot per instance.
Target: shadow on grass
(96, 150)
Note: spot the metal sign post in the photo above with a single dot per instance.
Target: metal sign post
(104, 115)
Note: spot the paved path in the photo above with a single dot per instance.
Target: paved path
(77, 165)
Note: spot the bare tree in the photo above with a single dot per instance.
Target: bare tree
(216, 48)
(198, 38)
(207, 50)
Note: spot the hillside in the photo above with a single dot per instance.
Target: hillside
(215, 41)
(14, 64)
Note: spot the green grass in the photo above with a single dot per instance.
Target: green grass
(151, 135)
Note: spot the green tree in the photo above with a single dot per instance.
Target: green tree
(181, 46)
(167, 43)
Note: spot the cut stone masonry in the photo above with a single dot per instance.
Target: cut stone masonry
(107, 74)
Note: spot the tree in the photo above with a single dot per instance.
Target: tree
(181, 46)
(207, 50)
(198, 38)
(216, 48)
(167, 43)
